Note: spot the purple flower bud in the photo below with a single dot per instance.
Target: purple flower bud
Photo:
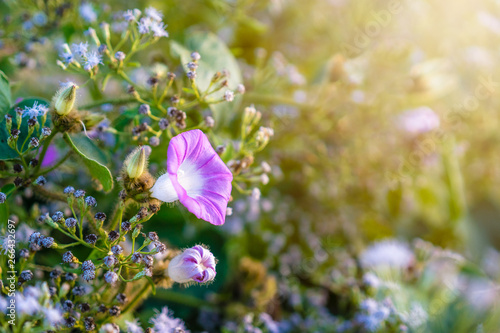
(24, 253)
(26, 275)
(229, 96)
(126, 226)
(195, 56)
(88, 265)
(194, 264)
(90, 201)
(120, 56)
(88, 275)
(113, 235)
(41, 180)
(70, 222)
(68, 305)
(68, 257)
(46, 132)
(111, 277)
(110, 260)
(55, 274)
(91, 239)
(163, 123)
(137, 257)
(34, 142)
(47, 242)
(191, 75)
(100, 216)
(154, 141)
(148, 260)
(117, 249)
(70, 322)
(121, 298)
(144, 109)
(70, 276)
(240, 89)
(115, 311)
(153, 236)
(79, 193)
(89, 323)
(58, 216)
(69, 190)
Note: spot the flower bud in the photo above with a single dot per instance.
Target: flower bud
(65, 99)
(8, 122)
(136, 162)
(194, 264)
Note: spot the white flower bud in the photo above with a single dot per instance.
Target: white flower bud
(136, 163)
(195, 264)
(64, 99)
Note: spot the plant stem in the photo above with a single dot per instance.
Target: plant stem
(172, 296)
(61, 161)
(114, 101)
(137, 298)
(118, 214)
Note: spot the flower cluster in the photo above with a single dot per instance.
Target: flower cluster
(91, 257)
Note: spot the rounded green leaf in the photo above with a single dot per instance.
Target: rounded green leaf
(93, 158)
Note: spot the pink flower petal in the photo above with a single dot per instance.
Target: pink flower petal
(200, 179)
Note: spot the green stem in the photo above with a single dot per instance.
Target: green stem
(114, 101)
(67, 245)
(137, 298)
(118, 215)
(45, 171)
(167, 295)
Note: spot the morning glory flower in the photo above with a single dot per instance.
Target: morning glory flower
(51, 156)
(196, 176)
(154, 13)
(36, 110)
(195, 264)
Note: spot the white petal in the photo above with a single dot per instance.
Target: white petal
(164, 190)
(190, 178)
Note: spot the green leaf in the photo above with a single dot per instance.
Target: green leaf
(7, 153)
(4, 213)
(153, 287)
(134, 64)
(91, 155)
(124, 119)
(89, 148)
(94, 254)
(5, 96)
(188, 90)
(215, 56)
(4, 208)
